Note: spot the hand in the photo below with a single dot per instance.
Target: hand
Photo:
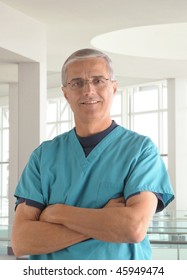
(116, 202)
(50, 213)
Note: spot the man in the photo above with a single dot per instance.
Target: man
(90, 193)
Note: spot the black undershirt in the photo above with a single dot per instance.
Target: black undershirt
(88, 143)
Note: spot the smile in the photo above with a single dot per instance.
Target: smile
(90, 102)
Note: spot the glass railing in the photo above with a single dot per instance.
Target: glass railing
(5, 244)
(168, 235)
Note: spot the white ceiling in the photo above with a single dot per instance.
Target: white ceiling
(73, 24)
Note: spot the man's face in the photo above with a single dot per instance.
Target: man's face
(90, 103)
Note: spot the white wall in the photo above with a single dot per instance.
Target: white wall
(21, 34)
(177, 144)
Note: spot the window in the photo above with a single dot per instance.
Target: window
(4, 164)
(117, 108)
(59, 117)
(148, 113)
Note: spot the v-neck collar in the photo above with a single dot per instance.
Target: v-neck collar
(79, 152)
(90, 142)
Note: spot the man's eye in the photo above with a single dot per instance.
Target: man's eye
(97, 81)
(78, 83)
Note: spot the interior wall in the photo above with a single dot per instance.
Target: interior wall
(177, 139)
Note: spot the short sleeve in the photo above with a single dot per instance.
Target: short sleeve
(29, 203)
(148, 173)
(29, 185)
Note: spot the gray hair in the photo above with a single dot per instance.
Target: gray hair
(84, 54)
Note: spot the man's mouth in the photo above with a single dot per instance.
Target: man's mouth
(90, 102)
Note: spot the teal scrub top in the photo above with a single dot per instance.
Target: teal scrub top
(123, 163)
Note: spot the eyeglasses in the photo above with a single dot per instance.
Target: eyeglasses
(98, 82)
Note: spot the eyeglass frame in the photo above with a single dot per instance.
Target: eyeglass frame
(87, 81)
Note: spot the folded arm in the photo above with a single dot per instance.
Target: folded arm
(60, 226)
(128, 223)
(31, 236)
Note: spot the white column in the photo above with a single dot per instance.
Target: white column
(177, 139)
(27, 101)
(32, 106)
(13, 146)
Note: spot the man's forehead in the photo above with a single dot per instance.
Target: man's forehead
(86, 60)
(90, 65)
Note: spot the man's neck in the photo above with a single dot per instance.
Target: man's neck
(88, 129)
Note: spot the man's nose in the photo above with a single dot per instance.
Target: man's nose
(88, 87)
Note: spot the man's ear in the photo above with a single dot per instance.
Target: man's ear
(115, 87)
(64, 92)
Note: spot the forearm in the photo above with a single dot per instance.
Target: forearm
(103, 224)
(106, 224)
(116, 222)
(36, 237)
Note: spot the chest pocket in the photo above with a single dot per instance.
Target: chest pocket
(107, 191)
